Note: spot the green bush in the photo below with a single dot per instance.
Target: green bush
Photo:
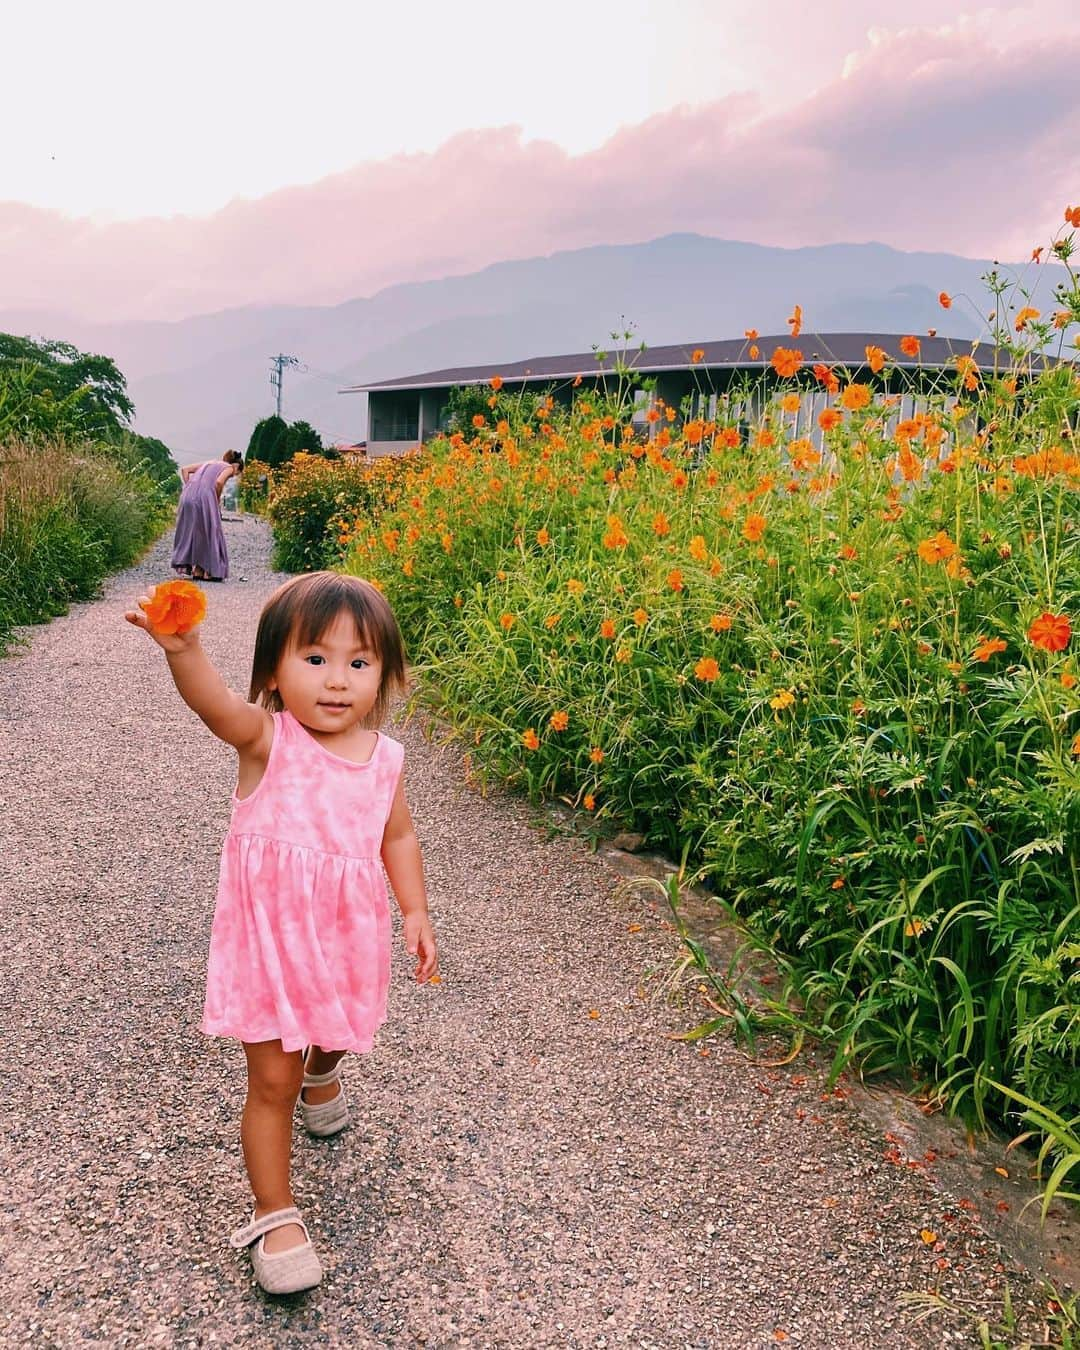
(312, 498)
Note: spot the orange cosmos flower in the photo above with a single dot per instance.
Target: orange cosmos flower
(986, 647)
(707, 669)
(783, 698)
(496, 382)
(577, 381)
(542, 537)
(575, 587)
(720, 623)
(674, 579)
(530, 740)
(507, 621)
(661, 525)
(855, 396)
(607, 629)
(829, 419)
(1051, 632)
(754, 527)
(479, 420)
(616, 536)
(1074, 749)
(1024, 315)
(751, 334)
(790, 403)
(795, 320)
(559, 720)
(876, 358)
(698, 550)
(596, 755)
(622, 655)
(786, 361)
(945, 300)
(698, 354)
(175, 607)
(755, 352)
(640, 617)
(937, 549)
(1068, 680)
(910, 346)
(589, 802)
(1072, 216)
(552, 621)
(803, 456)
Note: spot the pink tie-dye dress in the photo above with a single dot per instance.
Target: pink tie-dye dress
(300, 947)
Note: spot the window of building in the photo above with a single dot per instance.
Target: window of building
(395, 418)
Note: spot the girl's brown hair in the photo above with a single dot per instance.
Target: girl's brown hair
(300, 612)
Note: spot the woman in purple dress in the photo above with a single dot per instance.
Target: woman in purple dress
(199, 543)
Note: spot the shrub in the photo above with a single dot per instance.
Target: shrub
(310, 500)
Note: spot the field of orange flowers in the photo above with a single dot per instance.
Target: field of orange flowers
(836, 674)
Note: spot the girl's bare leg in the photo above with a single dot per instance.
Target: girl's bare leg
(274, 1079)
(322, 1061)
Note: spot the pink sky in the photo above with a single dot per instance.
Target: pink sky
(938, 140)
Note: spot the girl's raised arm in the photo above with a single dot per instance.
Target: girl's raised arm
(243, 725)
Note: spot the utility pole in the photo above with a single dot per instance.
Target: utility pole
(279, 364)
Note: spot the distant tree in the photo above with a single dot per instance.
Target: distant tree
(268, 441)
(303, 436)
(90, 388)
(274, 441)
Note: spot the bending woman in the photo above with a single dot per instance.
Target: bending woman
(199, 544)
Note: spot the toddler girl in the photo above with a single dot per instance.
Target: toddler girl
(300, 949)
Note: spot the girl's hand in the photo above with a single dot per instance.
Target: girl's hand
(420, 941)
(170, 642)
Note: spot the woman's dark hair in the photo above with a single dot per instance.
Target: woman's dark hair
(300, 612)
(233, 457)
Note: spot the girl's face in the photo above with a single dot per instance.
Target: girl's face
(333, 684)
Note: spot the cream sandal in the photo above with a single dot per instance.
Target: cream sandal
(323, 1119)
(284, 1272)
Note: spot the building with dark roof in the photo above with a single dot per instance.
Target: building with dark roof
(405, 412)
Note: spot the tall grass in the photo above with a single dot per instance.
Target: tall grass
(69, 514)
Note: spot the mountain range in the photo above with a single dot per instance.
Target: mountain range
(201, 383)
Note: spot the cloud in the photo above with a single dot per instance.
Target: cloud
(932, 139)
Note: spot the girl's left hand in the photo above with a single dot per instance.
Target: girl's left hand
(420, 941)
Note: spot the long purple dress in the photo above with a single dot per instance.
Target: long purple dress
(200, 540)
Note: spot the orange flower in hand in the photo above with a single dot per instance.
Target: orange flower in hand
(175, 607)
(1051, 632)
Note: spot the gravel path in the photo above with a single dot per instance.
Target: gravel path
(535, 1162)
